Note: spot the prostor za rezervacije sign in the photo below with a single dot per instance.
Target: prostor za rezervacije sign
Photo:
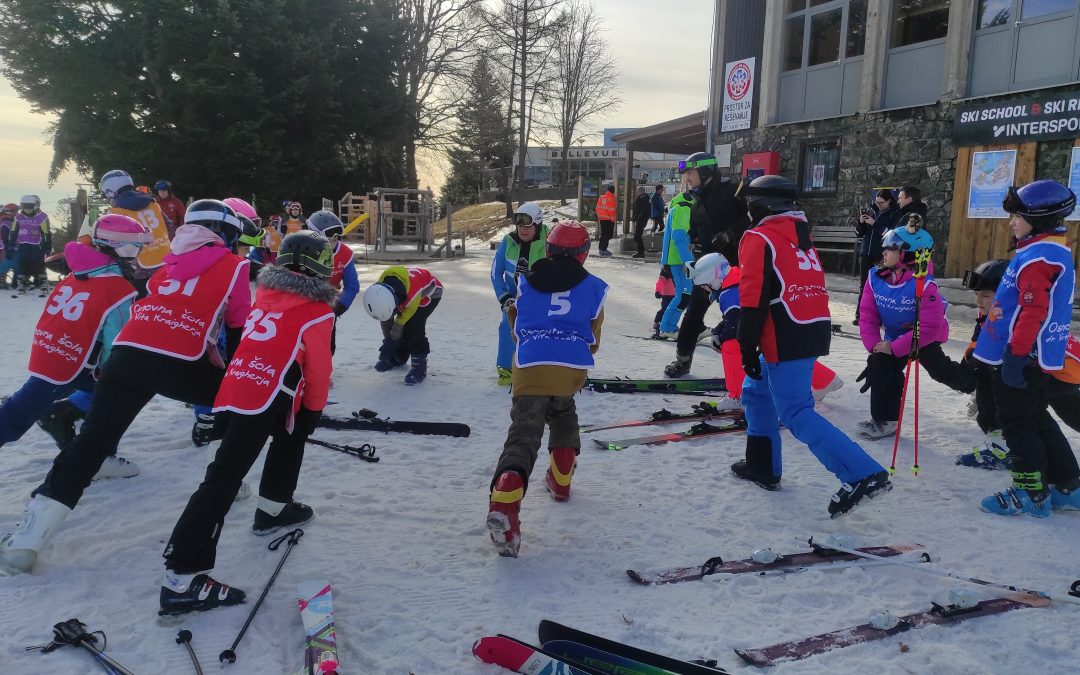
(1047, 117)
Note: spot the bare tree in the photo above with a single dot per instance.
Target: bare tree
(441, 38)
(584, 72)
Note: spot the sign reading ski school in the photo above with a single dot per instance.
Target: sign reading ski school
(738, 95)
(1052, 116)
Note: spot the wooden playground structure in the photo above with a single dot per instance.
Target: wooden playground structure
(386, 217)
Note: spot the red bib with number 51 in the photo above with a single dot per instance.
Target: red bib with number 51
(68, 328)
(270, 345)
(176, 317)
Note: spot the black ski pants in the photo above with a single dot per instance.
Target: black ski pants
(693, 321)
(130, 379)
(193, 544)
(886, 375)
(639, 233)
(607, 231)
(414, 339)
(1035, 440)
(1063, 398)
(528, 417)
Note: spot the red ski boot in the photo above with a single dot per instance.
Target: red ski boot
(502, 518)
(561, 471)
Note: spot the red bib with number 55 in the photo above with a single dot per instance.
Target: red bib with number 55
(68, 328)
(176, 317)
(270, 345)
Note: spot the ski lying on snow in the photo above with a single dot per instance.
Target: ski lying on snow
(551, 632)
(699, 430)
(629, 386)
(704, 410)
(317, 612)
(600, 659)
(366, 420)
(521, 657)
(938, 615)
(793, 561)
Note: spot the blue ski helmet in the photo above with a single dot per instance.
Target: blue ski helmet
(1043, 203)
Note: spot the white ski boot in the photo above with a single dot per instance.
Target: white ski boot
(116, 467)
(19, 549)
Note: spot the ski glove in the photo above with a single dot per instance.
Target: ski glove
(339, 309)
(388, 351)
(507, 301)
(751, 362)
(864, 375)
(1012, 369)
(306, 421)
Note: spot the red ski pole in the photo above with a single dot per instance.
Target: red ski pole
(922, 261)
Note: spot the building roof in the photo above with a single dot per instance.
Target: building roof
(681, 136)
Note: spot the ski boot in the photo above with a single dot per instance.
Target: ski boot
(60, 421)
(561, 472)
(849, 495)
(207, 429)
(1066, 496)
(272, 516)
(873, 429)
(679, 367)
(40, 523)
(20, 286)
(994, 454)
(505, 376)
(835, 383)
(116, 467)
(502, 518)
(43, 289)
(383, 365)
(757, 467)
(418, 372)
(183, 593)
(1014, 501)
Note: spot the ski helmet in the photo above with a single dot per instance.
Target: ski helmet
(30, 203)
(769, 195)
(243, 209)
(124, 235)
(163, 185)
(380, 301)
(114, 182)
(569, 238)
(306, 252)
(1042, 203)
(9, 208)
(704, 162)
(145, 189)
(986, 276)
(902, 239)
(710, 270)
(532, 211)
(326, 222)
(219, 218)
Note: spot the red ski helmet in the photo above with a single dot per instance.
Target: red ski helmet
(569, 238)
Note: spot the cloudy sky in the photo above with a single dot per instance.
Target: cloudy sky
(662, 47)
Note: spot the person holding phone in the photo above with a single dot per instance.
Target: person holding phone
(871, 227)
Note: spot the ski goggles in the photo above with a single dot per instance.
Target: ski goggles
(685, 165)
(523, 220)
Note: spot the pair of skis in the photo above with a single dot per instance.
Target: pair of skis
(736, 423)
(567, 651)
(706, 386)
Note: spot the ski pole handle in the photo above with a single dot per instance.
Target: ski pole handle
(953, 575)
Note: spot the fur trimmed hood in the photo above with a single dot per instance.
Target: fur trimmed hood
(276, 278)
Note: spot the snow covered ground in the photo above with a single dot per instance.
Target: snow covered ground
(416, 580)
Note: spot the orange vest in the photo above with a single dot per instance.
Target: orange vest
(151, 255)
(68, 328)
(176, 317)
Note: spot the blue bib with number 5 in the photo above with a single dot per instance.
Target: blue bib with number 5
(555, 329)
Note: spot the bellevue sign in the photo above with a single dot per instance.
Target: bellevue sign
(586, 153)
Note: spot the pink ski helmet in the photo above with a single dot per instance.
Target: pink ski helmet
(244, 210)
(122, 234)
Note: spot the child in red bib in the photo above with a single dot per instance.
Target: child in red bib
(402, 300)
(275, 387)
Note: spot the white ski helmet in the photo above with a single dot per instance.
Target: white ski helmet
(114, 182)
(380, 302)
(711, 270)
(532, 210)
(30, 202)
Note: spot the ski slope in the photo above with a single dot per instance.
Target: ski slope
(415, 578)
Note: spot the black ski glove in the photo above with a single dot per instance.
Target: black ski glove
(864, 375)
(751, 362)
(339, 309)
(506, 300)
(388, 351)
(306, 421)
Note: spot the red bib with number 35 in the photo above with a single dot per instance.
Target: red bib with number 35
(270, 344)
(176, 317)
(68, 328)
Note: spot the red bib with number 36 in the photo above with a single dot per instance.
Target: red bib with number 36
(69, 326)
(176, 317)
(270, 345)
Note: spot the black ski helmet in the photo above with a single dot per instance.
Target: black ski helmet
(1043, 203)
(704, 162)
(767, 195)
(986, 276)
(220, 218)
(306, 252)
(326, 222)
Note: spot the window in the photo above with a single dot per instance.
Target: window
(856, 29)
(916, 21)
(1036, 8)
(795, 6)
(825, 37)
(793, 43)
(820, 168)
(993, 13)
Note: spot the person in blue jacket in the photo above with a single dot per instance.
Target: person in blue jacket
(658, 208)
(515, 256)
(675, 253)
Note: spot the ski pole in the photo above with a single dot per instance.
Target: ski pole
(365, 452)
(184, 638)
(1075, 600)
(291, 539)
(73, 632)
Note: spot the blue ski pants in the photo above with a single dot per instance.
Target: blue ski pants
(783, 396)
(32, 401)
(505, 357)
(683, 287)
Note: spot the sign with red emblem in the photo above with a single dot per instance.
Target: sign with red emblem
(738, 95)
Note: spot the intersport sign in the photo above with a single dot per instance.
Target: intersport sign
(1047, 117)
